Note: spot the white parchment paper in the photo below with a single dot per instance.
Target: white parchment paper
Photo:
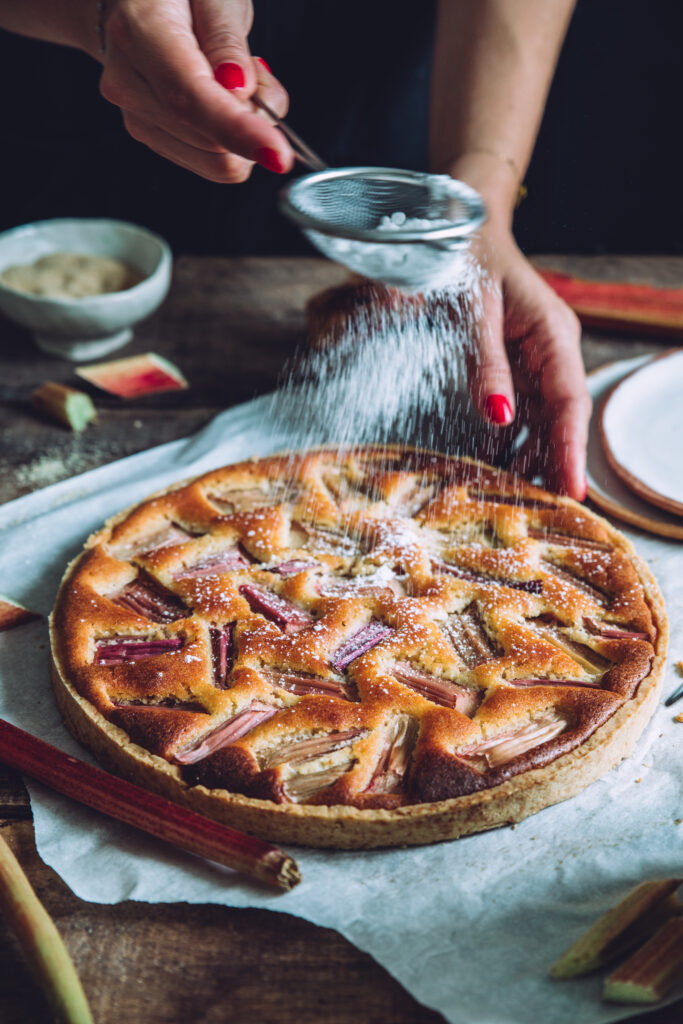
(468, 927)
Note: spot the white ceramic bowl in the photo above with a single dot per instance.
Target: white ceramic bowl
(90, 327)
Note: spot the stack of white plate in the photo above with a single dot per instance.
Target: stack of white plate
(635, 448)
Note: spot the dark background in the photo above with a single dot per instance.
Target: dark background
(605, 175)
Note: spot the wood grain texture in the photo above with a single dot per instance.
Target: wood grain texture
(229, 325)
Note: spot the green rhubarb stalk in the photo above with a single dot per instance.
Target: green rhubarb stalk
(622, 927)
(41, 942)
(66, 405)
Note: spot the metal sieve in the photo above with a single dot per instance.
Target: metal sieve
(341, 211)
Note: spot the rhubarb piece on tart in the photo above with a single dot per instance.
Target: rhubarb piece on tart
(356, 649)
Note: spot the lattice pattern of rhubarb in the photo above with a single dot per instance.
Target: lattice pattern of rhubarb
(369, 628)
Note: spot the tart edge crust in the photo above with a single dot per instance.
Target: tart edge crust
(347, 828)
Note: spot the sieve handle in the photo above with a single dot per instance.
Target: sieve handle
(302, 152)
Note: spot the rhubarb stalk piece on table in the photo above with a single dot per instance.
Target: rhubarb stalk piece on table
(617, 931)
(13, 614)
(40, 942)
(65, 405)
(650, 972)
(144, 810)
(134, 376)
(610, 304)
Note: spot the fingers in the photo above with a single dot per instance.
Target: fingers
(214, 165)
(545, 339)
(221, 28)
(269, 89)
(490, 377)
(156, 71)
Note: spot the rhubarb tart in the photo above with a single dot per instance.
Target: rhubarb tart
(373, 648)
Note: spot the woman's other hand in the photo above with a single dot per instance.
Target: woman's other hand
(182, 74)
(528, 367)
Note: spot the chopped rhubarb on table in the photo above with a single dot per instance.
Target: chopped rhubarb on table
(299, 751)
(437, 689)
(578, 582)
(134, 376)
(302, 683)
(469, 638)
(292, 567)
(652, 970)
(13, 614)
(530, 586)
(589, 660)
(624, 926)
(116, 650)
(619, 304)
(232, 560)
(360, 643)
(394, 758)
(222, 654)
(283, 613)
(609, 632)
(148, 598)
(503, 748)
(567, 540)
(65, 405)
(226, 733)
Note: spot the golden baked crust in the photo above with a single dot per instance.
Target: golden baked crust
(375, 648)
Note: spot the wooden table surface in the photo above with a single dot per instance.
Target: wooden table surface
(229, 325)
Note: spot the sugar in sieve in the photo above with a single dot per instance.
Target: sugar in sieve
(405, 228)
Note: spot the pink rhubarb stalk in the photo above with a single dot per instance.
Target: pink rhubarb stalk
(283, 613)
(394, 759)
(438, 690)
(152, 601)
(229, 732)
(232, 560)
(301, 683)
(503, 748)
(119, 649)
(531, 586)
(222, 654)
(360, 643)
(611, 632)
(292, 567)
(567, 540)
(300, 751)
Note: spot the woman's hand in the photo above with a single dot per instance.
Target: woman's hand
(528, 369)
(182, 74)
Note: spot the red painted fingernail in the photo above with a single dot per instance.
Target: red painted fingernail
(270, 159)
(230, 75)
(498, 409)
(266, 66)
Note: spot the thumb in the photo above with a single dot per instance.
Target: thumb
(222, 27)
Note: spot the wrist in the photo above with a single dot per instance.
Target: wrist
(495, 177)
